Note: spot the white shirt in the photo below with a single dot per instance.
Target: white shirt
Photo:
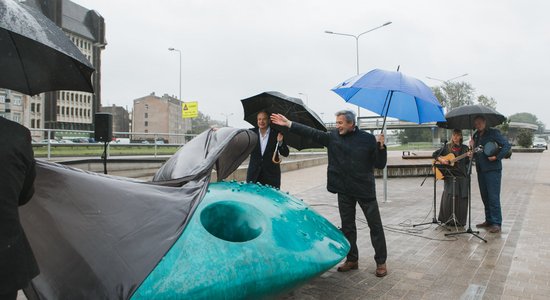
(264, 139)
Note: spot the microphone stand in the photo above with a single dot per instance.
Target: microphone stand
(469, 230)
(434, 219)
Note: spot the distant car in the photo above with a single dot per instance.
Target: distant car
(144, 142)
(159, 142)
(51, 141)
(540, 143)
(66, 142)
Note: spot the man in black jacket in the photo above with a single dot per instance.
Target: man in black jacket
(17, 172)
(352, 157)
(261, 167)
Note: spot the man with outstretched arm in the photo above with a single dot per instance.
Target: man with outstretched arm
(352, 156)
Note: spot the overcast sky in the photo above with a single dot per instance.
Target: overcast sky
(235, 49)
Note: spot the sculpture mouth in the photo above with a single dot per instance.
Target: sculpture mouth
(233, 221)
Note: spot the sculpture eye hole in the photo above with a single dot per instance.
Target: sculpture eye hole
(233, 221)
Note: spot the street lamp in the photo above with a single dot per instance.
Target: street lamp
(179, 51)
(307, 98)
(357, 45)
(448, 80)
(226, 116)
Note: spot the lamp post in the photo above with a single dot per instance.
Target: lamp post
(179, 51)
(307, 98)
(226, 120)
(357, 45)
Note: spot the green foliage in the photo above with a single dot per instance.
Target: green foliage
(525, 138)
(504, 127)
(202, 123)
(524, 117)
(456, 94)
(414, 135)
(487, 101)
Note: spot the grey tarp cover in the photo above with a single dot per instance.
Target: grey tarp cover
(98, 237)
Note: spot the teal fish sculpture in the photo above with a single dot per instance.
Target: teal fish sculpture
(97, 236)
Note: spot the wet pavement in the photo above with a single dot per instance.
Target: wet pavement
(425, 264)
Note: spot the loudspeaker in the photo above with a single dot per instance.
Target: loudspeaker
(103, 127)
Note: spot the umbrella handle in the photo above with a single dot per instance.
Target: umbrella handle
(276, 159)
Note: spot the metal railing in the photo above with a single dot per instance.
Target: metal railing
(55, 138)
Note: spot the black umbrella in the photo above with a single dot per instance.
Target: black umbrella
(293, 108)
(36, 56)
(463, 117)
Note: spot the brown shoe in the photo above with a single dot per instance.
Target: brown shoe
(483, 225)
(381, 270)
(348, 265)
(494, 229)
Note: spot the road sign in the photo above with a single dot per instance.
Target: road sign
(189, 110)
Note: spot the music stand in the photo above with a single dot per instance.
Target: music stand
(453, 172)
(469, 230)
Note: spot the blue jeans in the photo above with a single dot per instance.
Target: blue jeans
(489, 187)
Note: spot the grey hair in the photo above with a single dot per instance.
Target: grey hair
(350, 115)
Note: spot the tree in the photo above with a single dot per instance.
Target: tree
(455, 94)
(525, 138)
(487, 101)
(202, 123)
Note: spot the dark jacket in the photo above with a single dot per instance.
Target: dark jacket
(261, 167)
(483, 164)
(17, 172)
(462, 181)
(351, 159)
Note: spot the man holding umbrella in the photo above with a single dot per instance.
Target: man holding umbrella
(263, 167)
(489, 172)
(352, 157)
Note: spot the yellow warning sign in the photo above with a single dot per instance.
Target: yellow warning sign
(190, 110)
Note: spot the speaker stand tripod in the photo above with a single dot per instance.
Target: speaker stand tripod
(104, 157)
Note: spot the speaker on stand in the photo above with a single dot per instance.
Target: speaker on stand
(103, 132)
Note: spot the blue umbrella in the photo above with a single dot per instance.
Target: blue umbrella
(390, 93)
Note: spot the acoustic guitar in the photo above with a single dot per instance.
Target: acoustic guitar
(452, 160)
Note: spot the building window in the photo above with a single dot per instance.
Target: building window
(33, 122)
(146, 131)
(17, 100)
(37, 107)
(58, 110)
(32, 107)
(17, 118)
(146, 115)
(146, 123)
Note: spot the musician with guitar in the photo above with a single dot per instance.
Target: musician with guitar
(489, 171)
(454, 154)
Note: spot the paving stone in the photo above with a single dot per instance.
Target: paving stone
(423, 263)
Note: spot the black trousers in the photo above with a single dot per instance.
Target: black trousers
(346, 205)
